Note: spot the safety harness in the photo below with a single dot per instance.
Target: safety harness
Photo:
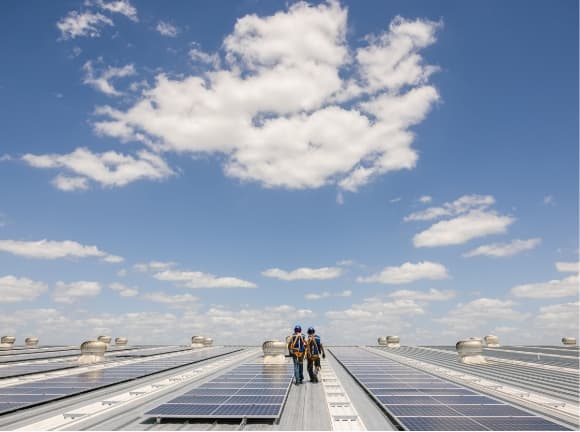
(298, 346)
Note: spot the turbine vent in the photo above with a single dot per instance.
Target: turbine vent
(197, 341)
(92, 351)
(6, 342)
(492, 341)
(274, 352)
(393, 341)
(569, 341)
(470, 351)
(31, 341)
(382, 341)
(105, 339)
(121, 341)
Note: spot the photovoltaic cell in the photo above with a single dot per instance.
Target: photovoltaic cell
(519, 423)
(440, 423)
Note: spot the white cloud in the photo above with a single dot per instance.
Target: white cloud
(14, 289)
(101, 80)
(395, 200)
(325, 294)
(174, 301)
(425, 199)
(304, 273)
(191, 279)
(48, 249)
(560, 318)
(87, 23)
(167, 29)
(504, 249)
(71, 292)
(339, 198)
(5, 158)
(462, 205)
(431, 295)
(122, 7)
(109, 169)
(280, 111)
(568, 267)
(113, 259)
(461, 229)
(475, 315)
(153, 266)
(567, 287)
(122, 273)
(123, 290)
(67, 184)
(407, 272)
(549, 200)
(345, 263)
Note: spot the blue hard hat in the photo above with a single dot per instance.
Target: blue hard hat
(311, 330)
(297, 328)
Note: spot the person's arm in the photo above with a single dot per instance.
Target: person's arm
(322, 351)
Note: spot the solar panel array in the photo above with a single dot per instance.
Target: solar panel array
(420, 401)
(21, 396)
(561, 384)
(250, 390)
(33, 368)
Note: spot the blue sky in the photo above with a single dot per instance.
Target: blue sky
(369, 168)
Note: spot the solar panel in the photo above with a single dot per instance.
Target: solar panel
(259, 394)
(420, 401)
(519, 423)
(87, 381)
(440, 423)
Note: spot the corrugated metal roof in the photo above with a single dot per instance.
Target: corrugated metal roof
(553, 374)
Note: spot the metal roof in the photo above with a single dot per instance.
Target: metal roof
(542, 382)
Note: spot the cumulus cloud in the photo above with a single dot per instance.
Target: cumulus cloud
(425, 199)
(77, 24)
(74, 291)
(123, 7)
(280, 110)
(173, 301)
(153, 266)
(462, 205)
(568, 267)
(14, 289)
(123, 290)
(476, 314)
(197, 55)
(167, 29)
(48, 249)
(426, 296)
(566, 287)
(559, 318)
(196, 279)
(407, 273)
(109, 169)
(101, 80)
(325, 294)
(68, 183)
(461, 229)
(504, 249)
(304, 273)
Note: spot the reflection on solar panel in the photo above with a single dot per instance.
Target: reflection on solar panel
(55, 388)
(250, 391)
(425, 408)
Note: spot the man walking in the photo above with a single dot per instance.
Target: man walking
(298, 350)
(315, 350)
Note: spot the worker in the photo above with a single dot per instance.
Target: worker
(298, 350)
(315, 350)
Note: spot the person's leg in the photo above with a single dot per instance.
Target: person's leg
(310, 367)
(296, 370)
(301, 370)
(316, 368)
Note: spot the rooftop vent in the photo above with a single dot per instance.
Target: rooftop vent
(207, 341)
(92, 352)
(470, 351)
(382, 341)
(105, 339)
(7, 342)
(274, 352)
(31, 341)
(393, 341)
(492, 341)
(197, 341)
(121, 341)
(569, 341)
